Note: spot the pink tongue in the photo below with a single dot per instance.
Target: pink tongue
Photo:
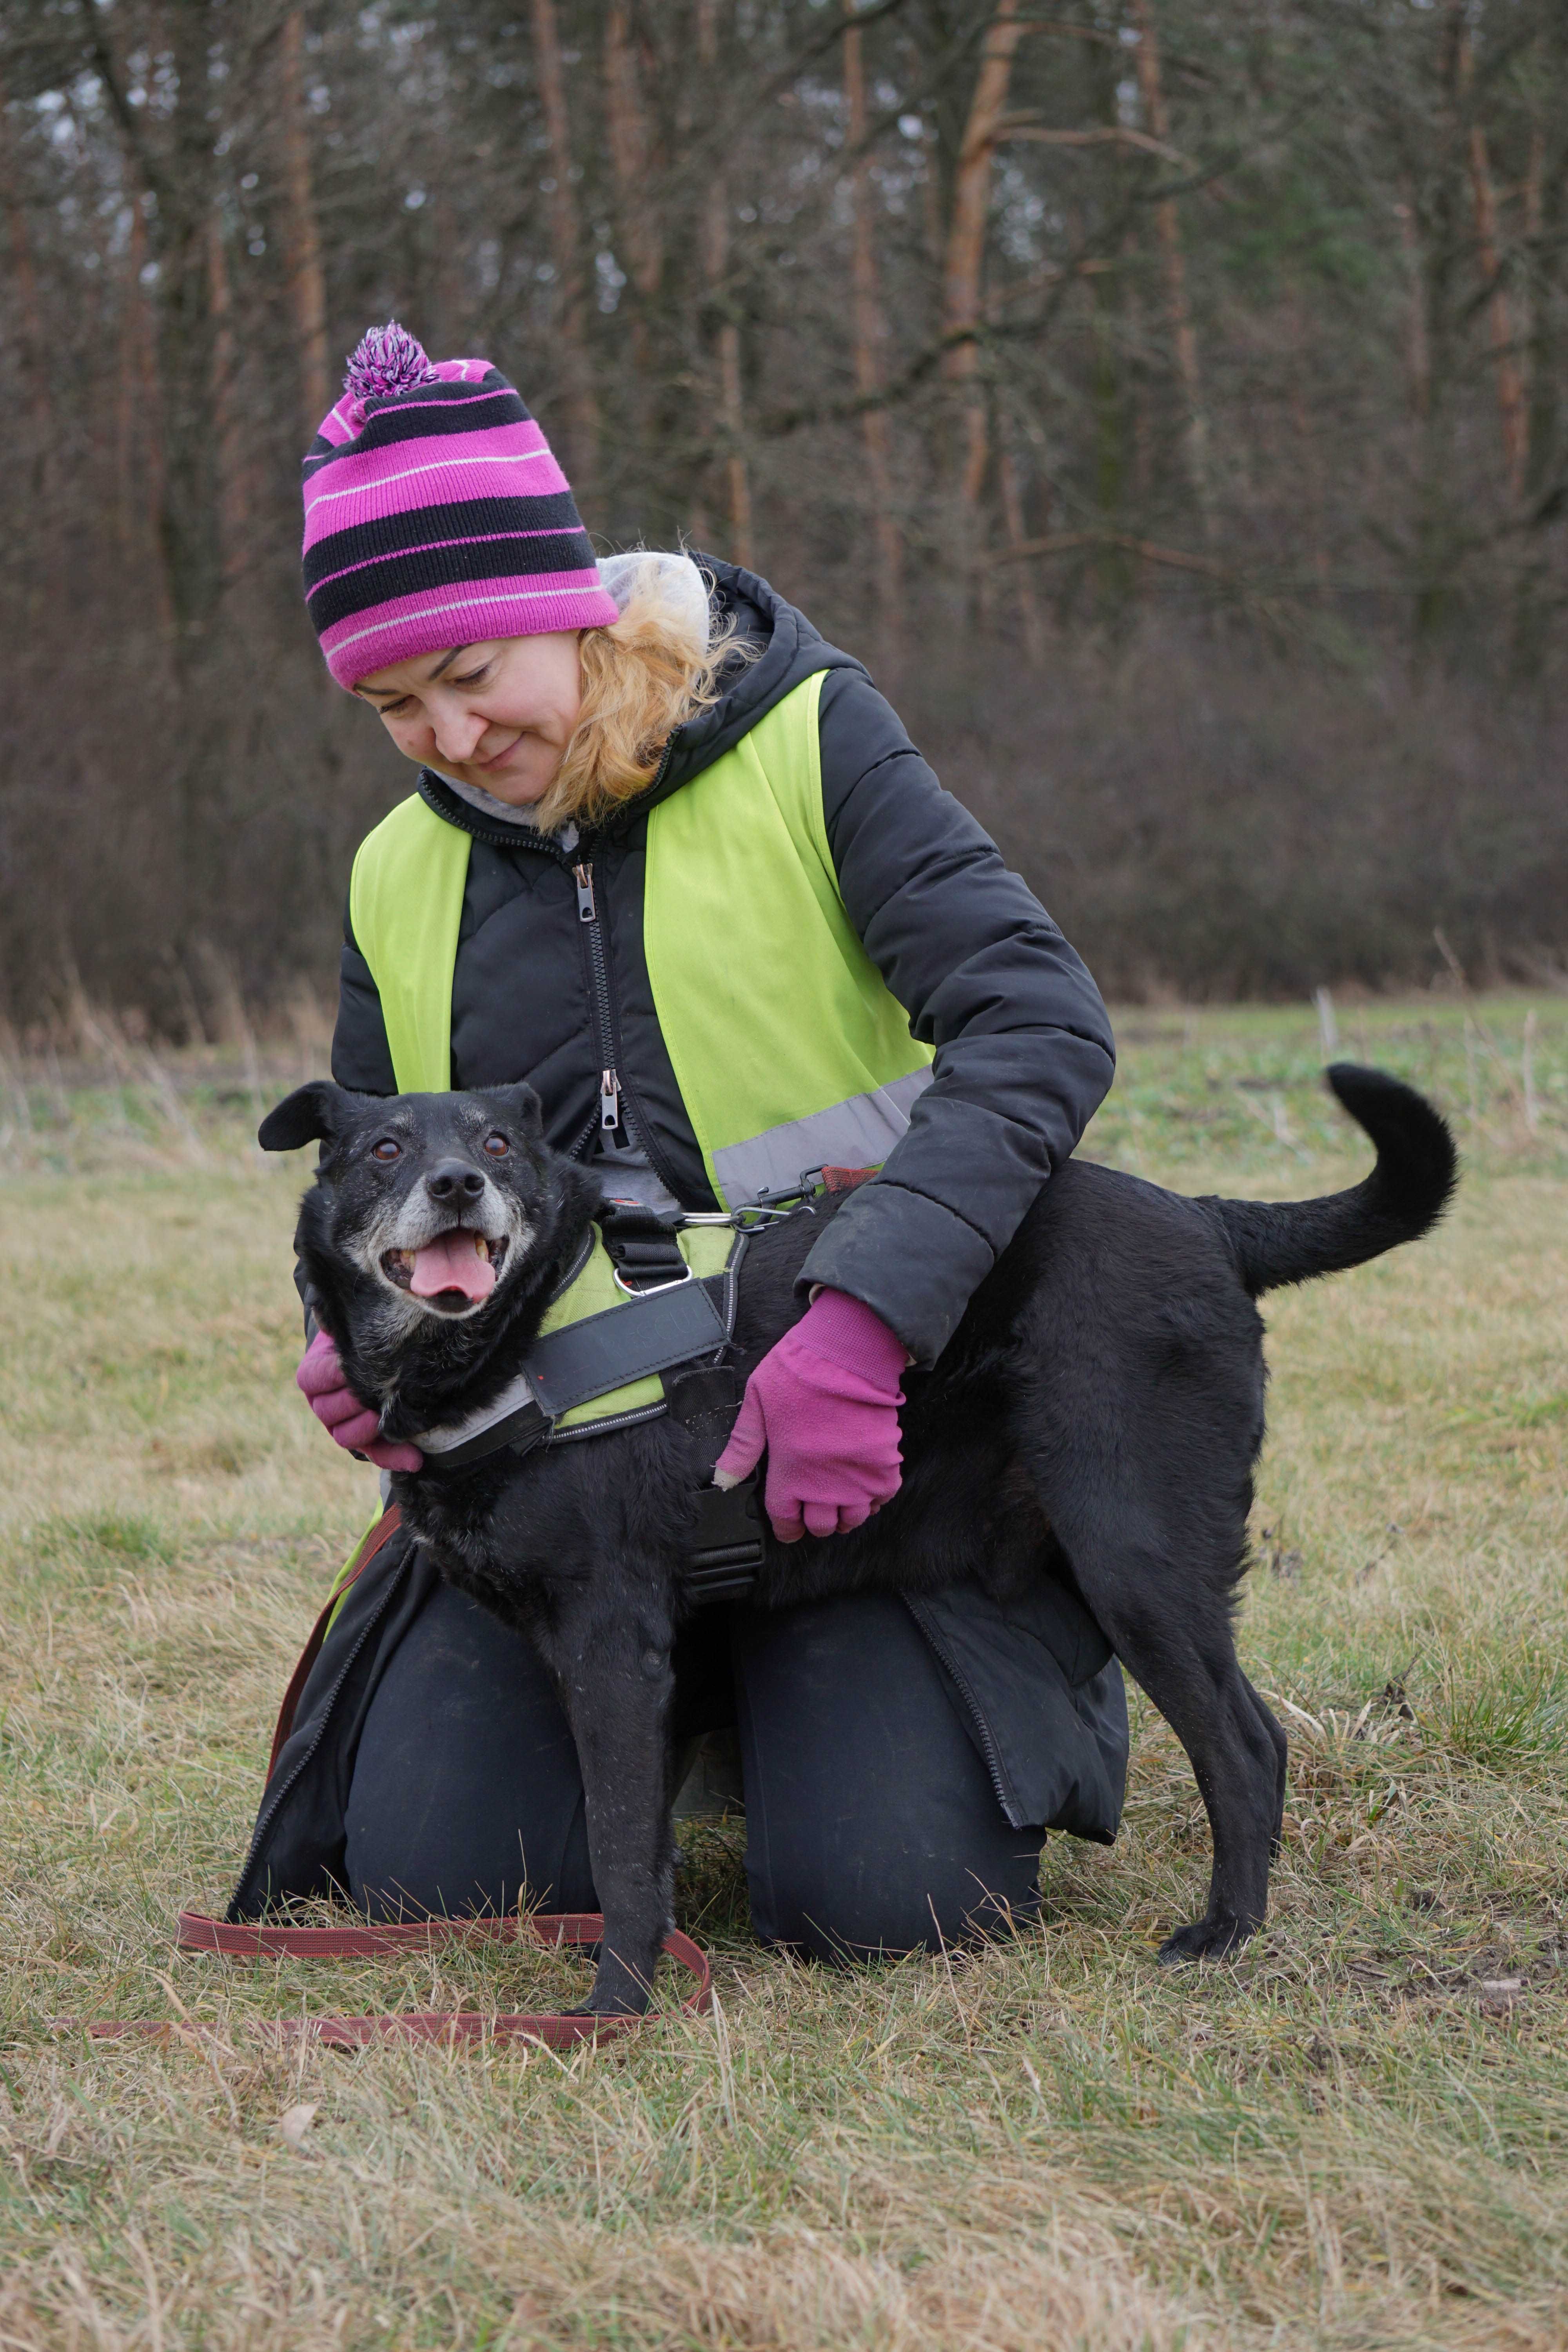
(452, 1264)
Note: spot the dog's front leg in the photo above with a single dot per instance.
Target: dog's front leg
(616, 1684)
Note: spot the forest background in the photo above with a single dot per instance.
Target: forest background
(1166, 397)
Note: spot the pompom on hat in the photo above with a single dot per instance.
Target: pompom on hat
(436, 514)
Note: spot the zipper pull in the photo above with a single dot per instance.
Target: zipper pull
(584, 877)
(609, 1100)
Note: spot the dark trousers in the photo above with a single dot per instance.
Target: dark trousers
(872, 1822)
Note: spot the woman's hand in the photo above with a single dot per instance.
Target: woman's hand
(352, 1425)
(824, 1403)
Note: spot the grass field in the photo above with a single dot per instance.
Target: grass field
(1356, 2135)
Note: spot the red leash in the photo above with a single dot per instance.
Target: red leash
(199, 1933)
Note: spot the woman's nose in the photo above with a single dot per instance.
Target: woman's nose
(457, 734)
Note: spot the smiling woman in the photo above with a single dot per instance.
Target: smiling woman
(673, 861)
(565, 725)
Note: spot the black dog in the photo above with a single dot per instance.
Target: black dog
(1095, 1418)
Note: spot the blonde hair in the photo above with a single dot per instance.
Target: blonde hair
(643, 676)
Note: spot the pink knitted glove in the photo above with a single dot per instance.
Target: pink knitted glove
(352, 1425)
(824, 1403)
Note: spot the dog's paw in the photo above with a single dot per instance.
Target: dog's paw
(1206, 1940)
(610, 2004)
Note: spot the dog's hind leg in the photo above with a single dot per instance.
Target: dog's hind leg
(613, 1668)
(1161, 1593)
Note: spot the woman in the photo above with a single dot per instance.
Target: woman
(673, 860)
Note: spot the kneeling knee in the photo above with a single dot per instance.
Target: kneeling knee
(843, 1920)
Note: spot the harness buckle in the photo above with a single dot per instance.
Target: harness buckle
(645, 1256)
(724, 1557)
(649, 1289)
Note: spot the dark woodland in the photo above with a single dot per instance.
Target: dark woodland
(1168, 399)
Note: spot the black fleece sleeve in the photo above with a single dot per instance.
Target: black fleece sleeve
(1024, 1049)
(362, 1058)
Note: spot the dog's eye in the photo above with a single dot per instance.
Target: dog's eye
(386, 1148)
(497, 1145)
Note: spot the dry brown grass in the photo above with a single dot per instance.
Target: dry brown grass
(1354, 2137)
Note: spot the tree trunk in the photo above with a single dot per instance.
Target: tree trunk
(640, 237)
(233, 488)
(727, 341)
(1546, 461)
(870, 338)
(184, 457)
(1168, 227)
(963, 269)
(1118, 579)
(1307, 444)
(1417, 359)
(140, 431)
(303, 252)
(1500, 315)
(581, 434)
(34, 346)
(1022, 576)
(636, 227)
(1442, 248)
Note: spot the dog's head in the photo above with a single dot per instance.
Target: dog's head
(435, 1222)
(435, 1198)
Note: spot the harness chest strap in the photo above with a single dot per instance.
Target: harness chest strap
(603, 1344)
(588, 1361)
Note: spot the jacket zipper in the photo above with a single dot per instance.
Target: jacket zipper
(988, 1747)
(609, 1077)
(617, 1104)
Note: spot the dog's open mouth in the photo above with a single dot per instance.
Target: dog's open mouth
(459, 1264)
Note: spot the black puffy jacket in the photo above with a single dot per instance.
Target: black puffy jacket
(1024, 1051)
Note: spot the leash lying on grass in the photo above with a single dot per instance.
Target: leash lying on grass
(559, 2031)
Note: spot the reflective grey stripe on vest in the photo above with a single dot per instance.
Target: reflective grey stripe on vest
(858, 1133)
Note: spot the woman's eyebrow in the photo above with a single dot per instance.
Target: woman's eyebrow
(397, 693)
(443, 664)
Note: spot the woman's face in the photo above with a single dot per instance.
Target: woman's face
(499, 715)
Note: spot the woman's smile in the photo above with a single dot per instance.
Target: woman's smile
(504, 753)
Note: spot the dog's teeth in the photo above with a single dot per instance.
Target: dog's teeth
(481, 1247)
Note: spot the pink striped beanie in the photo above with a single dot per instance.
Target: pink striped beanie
(436, 514)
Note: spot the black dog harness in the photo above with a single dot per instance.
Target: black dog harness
(673, 1322)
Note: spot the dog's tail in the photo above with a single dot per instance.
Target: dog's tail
(1290, 1241)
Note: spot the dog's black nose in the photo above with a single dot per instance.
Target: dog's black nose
(453, 1180)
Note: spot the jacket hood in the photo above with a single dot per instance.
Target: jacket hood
(782, 648)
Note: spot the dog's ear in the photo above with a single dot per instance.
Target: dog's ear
(521, 1106)
(312, 1114)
